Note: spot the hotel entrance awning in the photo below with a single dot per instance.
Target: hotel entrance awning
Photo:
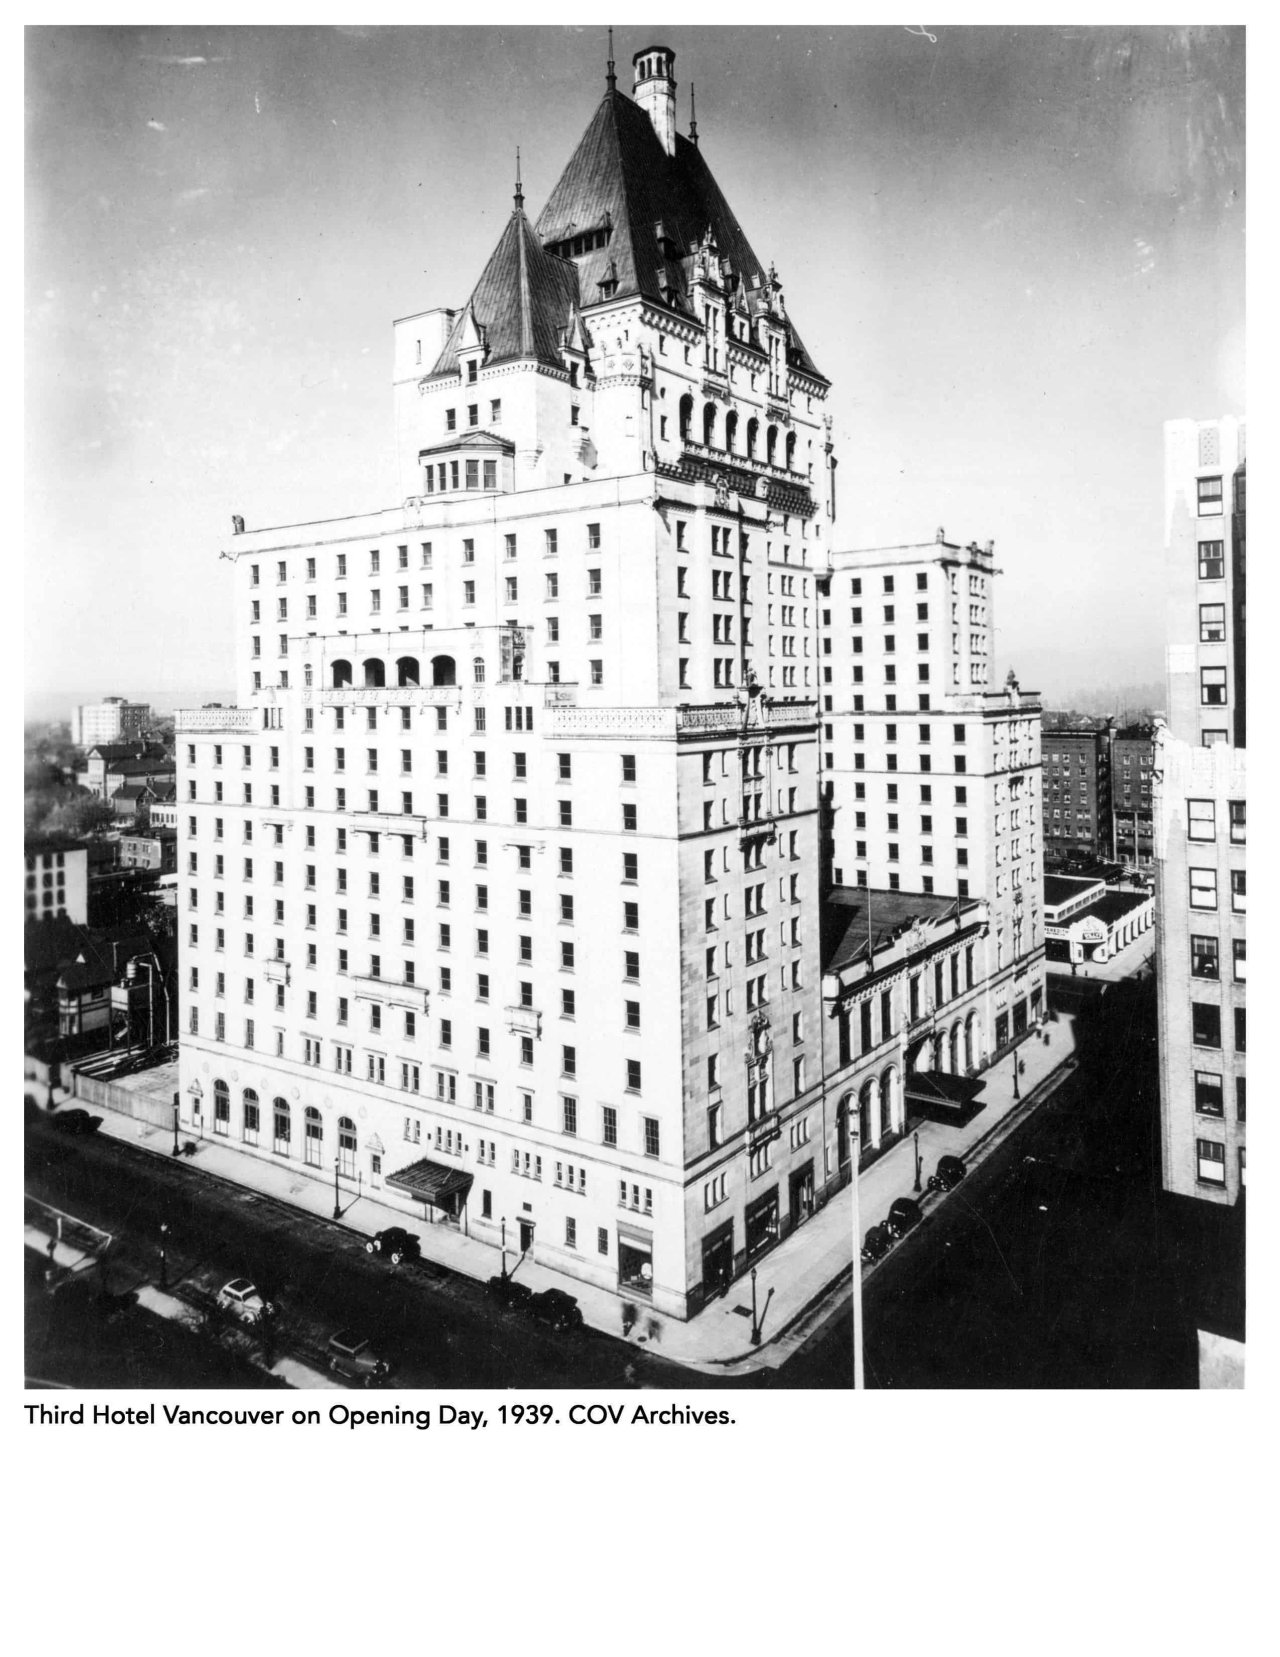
(943, 1097)
(433, 1183)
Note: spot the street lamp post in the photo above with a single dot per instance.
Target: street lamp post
(504, 1248)
(176, 1150)
(337, 1195)
(1016, 1094)
(755, 1322)
(164, 1275)
(917, 1147)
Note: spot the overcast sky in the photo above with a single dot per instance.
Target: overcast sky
(1015, 252)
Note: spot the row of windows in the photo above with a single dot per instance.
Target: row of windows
(1203, 889)
(1206, 1025)
(551, 546)
(1202, 820)
(1204, 957)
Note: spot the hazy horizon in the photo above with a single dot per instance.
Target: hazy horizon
(1015, 252)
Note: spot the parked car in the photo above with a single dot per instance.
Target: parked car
(904, 1212)
(396, 1244)
(76, 1121)
(951, 1170)
(241, 1298)
(556, 1309)
(509, 1292)
(351, 1355)
(876, 1243)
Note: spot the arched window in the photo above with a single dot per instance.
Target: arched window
(251, 1116)
(407, 670)
(341, 674)
(686, 417)
(791, 451)
(753, 437)
(221, 1107)
(314, 1128)
(477, 670)
(375, 673)
(771, 445)
(281, 1127)
(731, 431)
(347, 1147)
(709, 425)
(443, 671)
(886, 1102)
(866, 1097)
(842, 1131)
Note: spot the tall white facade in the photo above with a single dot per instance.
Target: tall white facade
(1199, 808)
(500, 884)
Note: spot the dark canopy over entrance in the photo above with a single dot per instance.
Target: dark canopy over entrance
(434, 1184)
(942, 1097)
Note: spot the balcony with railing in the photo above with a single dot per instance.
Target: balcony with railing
(213, 720)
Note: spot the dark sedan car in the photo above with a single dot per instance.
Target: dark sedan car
(352, 1356)
(904, 1212)
(395, 1244)
(76, 1121)
(556, 1309)
(509, 1292)
(951, 1170)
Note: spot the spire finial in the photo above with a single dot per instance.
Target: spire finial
(611, 79)
(693, 114)
(519, 187)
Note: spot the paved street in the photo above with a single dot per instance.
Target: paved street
(441, 1327)
(1058, 1262)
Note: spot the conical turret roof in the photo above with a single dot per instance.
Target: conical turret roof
(621, 177)
(520, 304)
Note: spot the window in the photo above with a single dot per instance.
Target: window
(1206, 1024)
(1235, 809)
(1211, 562)
(1208, 1093)
(652, 1140)
(1203, 888)
(1209, 497)
(1213, 687)
(1200, 820)
(1211, 1162)
(1239, 1013)
(1237, 891)
(1213, 623)
(569, 1061)
(1204, 956)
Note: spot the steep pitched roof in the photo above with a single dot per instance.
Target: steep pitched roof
(520, 304)
(621, 176)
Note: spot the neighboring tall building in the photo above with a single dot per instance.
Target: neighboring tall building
(931, 779)
(111, 720)
(501, 882)
(1076, 789)
(1132, 820)
(1199, 808)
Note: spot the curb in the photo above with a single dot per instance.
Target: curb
(705, 1365)
(977, 1153)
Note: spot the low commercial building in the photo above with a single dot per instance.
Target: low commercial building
(1086, 920)
(156, 850)
(916, 1014)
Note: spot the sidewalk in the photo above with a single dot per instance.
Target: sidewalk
(894, 1174)
(811, 1264)
(789, 1278)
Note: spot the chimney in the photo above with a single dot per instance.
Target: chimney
(655, 91)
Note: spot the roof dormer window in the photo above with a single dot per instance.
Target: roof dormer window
(473, 370)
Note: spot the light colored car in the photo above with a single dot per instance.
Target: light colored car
(351, 1355)
(241, 1298)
